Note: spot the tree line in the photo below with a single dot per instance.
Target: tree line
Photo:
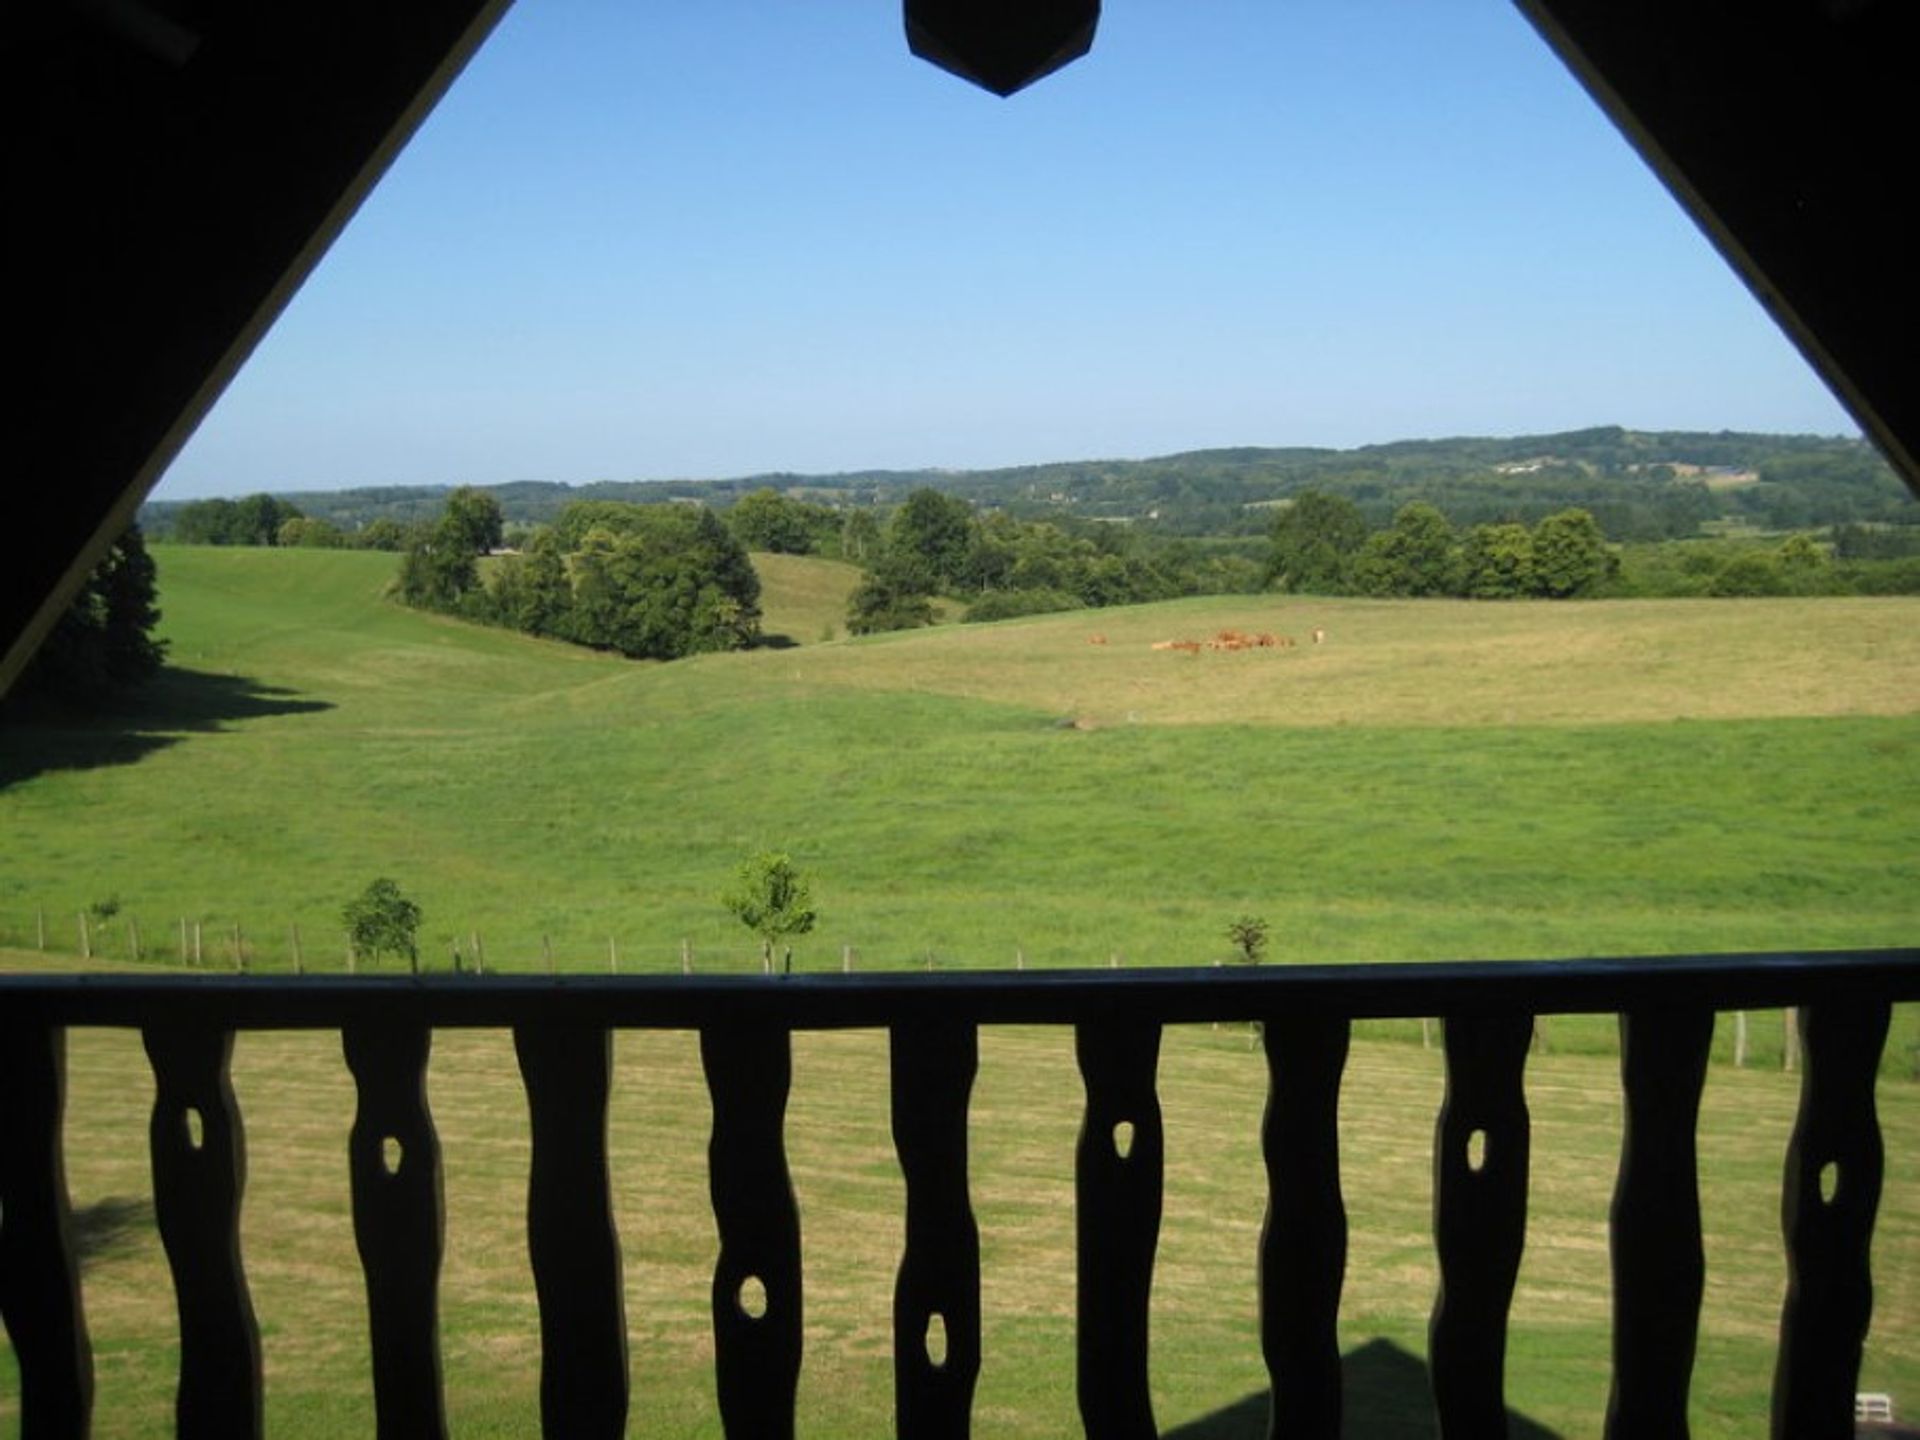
(649, 581)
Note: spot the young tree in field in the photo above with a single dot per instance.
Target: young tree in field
(1249, 936)
(772, 899)
(380, 921)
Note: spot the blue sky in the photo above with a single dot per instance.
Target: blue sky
(707, 239)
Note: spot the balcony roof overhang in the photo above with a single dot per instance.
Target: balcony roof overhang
(186, 164)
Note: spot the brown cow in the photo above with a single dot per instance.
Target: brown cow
(1318, 634)
(1096, 640)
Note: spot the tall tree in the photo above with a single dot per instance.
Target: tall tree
(104, 641)
(1570, 555)
(472, 520)
(1315, 542)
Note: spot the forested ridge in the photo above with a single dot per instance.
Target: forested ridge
(1638, 485)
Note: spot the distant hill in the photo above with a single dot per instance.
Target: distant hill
(1641, 485)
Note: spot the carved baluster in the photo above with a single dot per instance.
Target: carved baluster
(199, 1175)
(1834, 1165)
(1303, 1245)
(1659, 1265)
(1117, 1189)
(570, 1232)
(39, 1279)
(1479, 1219)
(398, 1222)
(756, 1283)
(939, 1282)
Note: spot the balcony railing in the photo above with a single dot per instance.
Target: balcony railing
(562, 1030)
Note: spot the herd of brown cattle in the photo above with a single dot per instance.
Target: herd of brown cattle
(1227, 640)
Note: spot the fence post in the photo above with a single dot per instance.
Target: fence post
(1019, 958)
(846, 959)
(479, 964)
(40, 926)
(1790, 1050)
(86, 941)
(686, 956)
(1739, 1039)
(298, 967)
(184, 957)
(1113, 961)
(546, 950)
(239, 952)
(199, 956)
(1426, 1033)
(613, 957)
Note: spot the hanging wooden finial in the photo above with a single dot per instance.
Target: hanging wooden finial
(1001, 45)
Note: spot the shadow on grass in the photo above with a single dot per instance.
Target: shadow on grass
(1386, 1396)
(176, 702)
(108, 1227)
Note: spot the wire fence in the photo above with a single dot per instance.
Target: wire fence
(112, 937)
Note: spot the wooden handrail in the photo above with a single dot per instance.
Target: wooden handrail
(876, 1000)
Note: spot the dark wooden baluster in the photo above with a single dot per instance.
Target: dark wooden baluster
(1117, 1188)
(756, 1357)
(1479, 1219)
(39, 1280)
(399, 1223)
(199, 1175)
(1303, 1245)
(933, 1070)
(1659, 1265)
(1834, 1165)
(568, 1072)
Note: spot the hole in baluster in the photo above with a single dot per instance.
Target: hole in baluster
(1123, 1139)
(195, 1127)
(753, 1297)
(1829, 1182)
(390, 1153)
(937, 1341)
(1477, 1150)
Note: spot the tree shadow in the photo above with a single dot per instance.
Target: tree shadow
(1386, 1396)
(177, 702)
(109, 1227)
(775, 641)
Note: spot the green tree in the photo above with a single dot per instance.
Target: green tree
(104, 641)
(931, 534)
(382, 921)
(767, 520)
(1497, 562)
(472, 521)
(380, 534)
(892, 597)
(772, 899)
(1249, 936)
(1570, 555)
(1418, 555)
(1315, 542)
(658, 581)
(309, 533)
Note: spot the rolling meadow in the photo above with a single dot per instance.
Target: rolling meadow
(1438, 780)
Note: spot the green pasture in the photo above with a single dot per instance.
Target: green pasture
(300, 1259)
(1436, 780)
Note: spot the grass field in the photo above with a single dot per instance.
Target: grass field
(299, 1253)
(1438, 780)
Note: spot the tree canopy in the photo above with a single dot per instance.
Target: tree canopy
(104, 642)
